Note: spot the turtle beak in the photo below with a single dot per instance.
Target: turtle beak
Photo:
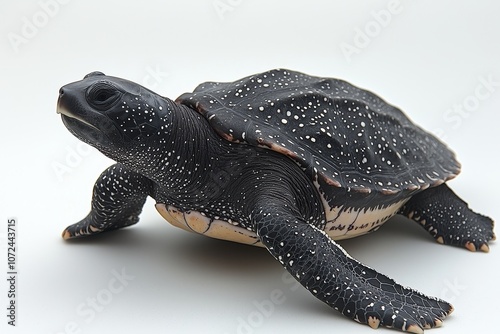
(62, 109)
(59, 104)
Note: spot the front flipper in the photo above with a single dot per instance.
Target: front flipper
(337, 279)
(448, 218)
(117, 200)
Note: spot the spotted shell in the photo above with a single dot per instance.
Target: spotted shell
(343, 136)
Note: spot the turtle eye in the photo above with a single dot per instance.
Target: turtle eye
(102, 95)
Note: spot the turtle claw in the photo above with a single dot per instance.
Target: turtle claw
(470, 246)
(66, 235)
(475, 246)
(438, 323)
(419, 329)
(373, 322)
(485, 248)
(415, 329)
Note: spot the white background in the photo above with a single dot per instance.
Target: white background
(431, 59)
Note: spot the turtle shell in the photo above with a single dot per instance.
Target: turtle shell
(343, 136)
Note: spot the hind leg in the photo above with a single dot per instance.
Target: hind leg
(449, 220)
(117, 201)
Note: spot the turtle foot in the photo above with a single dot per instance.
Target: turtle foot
(88, 226)
(476, 232)
(412, 313)
(450, 220)
(81, 229)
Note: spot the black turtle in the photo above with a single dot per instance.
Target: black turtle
(282, 160)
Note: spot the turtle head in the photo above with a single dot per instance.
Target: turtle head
(112, 114)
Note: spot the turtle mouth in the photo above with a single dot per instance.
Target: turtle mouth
(66, 115)
(82, 128)
(84, 131)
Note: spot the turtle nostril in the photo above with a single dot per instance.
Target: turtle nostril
(61, 92)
